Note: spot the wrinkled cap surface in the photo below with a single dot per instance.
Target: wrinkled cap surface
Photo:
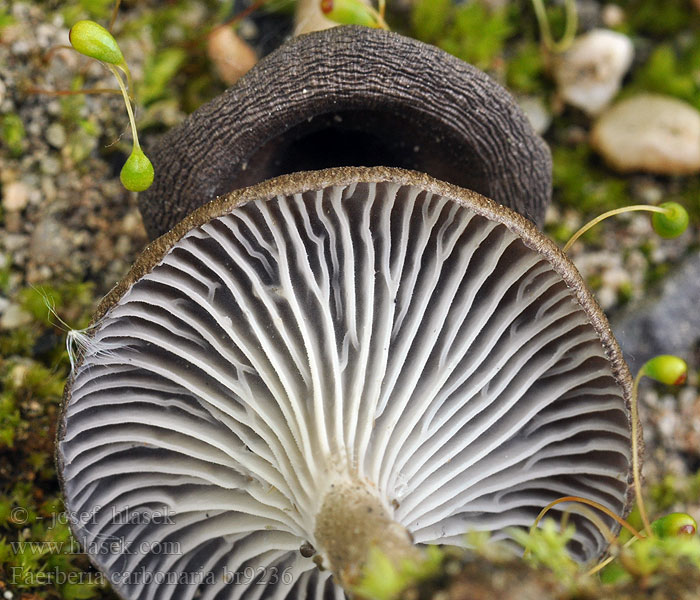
(364, 321)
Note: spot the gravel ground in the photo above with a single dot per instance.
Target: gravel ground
(65, 216)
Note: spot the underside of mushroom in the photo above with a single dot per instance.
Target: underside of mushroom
(325, 343)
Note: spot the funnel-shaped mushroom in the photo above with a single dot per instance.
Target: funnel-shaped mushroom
(352, 96)
(335, 360)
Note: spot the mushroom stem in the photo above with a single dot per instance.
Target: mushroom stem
(350, 523)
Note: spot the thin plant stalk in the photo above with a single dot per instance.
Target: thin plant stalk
(115, 11)
(611, 213)
(123, 67)
(51, 51)
(127, 101)
(34, 90)
(129, 82)
(546, 32)
(604, 563)
(592, 503)
(595, 519)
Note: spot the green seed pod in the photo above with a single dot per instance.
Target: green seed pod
(671, 223)
(349, 12)
(137, 173)
(674, 524)
(93, 40)
(667, 369)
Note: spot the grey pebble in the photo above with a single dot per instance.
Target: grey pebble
(56, 135)
(667, 322)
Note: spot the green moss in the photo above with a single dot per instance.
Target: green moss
(70, 297)
(650, 17)
(559, 232)
(37, 300)
(546, 546)
(525, 68)
(383, 579)
(9, 419)
(671, 73)
(18, 341)
(471, 31)
(430, 19)
(625, 293)
(38, 556)
(82, 9)
(5, 272)
(6, 19)
(584, 185)
(13, 133)
(159, 70)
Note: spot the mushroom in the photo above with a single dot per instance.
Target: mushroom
(352, 96)
(331, 361)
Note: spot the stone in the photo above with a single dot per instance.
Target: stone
(231, 56)
(536, 112)
(666, 323)
(56, 135)
(649, 132)
(589, 73)
(14, 317)
(50, 242)
(15, 196)
(613, 15)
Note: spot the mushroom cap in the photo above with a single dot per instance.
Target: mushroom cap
(373, 322)
(352, 96)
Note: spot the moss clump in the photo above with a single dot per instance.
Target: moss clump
(652, 18)
(654, 568)
(471, 31)
(38, 556)
(159, 71)
(670, 71)
(383, 579)
(525, 69)
(579, 182)
(13, 134)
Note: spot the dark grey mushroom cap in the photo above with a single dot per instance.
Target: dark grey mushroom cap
(366, 327)
(352, 96)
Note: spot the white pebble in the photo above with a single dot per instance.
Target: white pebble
(588, 74)
(14, 317)
(15, 196)
(652, 133)
(56, 135)
(613, 15)
(537, 113)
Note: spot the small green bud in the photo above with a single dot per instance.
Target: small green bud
(672, 223)
(674, 524)
(93, 40)
(667, 369)
(137, 172)
(349, 12)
